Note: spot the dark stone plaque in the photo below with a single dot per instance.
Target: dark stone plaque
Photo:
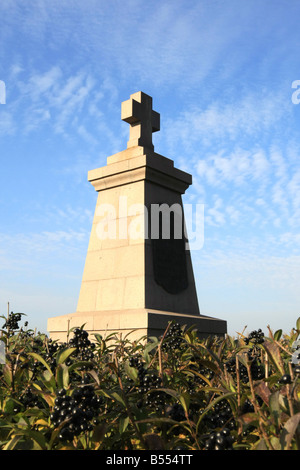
(169, 263)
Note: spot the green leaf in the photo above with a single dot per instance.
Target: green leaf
(275, 406)
(274, 354)
(243, 359)
(298, 324)
(49, 380)
(275, 443)
(277, 335)
(148, 348)
(157, 421)
(39, 441)
(288, 431)
(261, 445)
(131, 372)
(79, 364)
(7, 374)
(98, 337)
(63, 355)
(99, 432)
(154, 339)
(118, 398)
(123, 424)
(95, 376)
(194, 372)
(12, 443)
(263, 391)
(41, 360)
(62, 376)
(9, 405)
(249, 419)
(169, 391)
(185, 401)
(5, 429)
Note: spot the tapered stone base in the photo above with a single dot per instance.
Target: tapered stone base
(135, 323)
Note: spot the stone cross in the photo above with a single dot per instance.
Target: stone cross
(138, 112)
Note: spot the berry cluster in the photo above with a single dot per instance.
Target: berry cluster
(173, 338)
(256, 370)
(47, 350)
(29, 399)
(248, 406)
(147, 384)
(196, 380)
(80, 340)
(52, 349)
(220, 440)
(177, 412)
(154, 399)
(256, 337)
(84, 347)
(206, 372)
(135, 361)
(76, 411)
(220, 416)
(12, 321)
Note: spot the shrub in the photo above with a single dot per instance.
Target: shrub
(171, 393)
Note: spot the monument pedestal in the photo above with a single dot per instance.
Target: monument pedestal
(133, 324)
(138, 273)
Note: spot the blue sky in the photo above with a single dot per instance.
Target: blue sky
(220, 74)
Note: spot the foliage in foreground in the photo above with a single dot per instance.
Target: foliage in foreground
(174, 392)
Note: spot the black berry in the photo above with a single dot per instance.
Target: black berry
(285, 379)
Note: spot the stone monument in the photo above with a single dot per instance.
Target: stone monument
(138, 273)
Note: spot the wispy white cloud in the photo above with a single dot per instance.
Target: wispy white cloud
(236, 168)
(260, 184)
(41, 259)
(41, 85)
(7, 123)
(71, 105)
(37, 117)
(216, 215)
(22, 245)
(226, 123)
(233, 213)
(252, 290)
(251, 263)
(172, 42)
